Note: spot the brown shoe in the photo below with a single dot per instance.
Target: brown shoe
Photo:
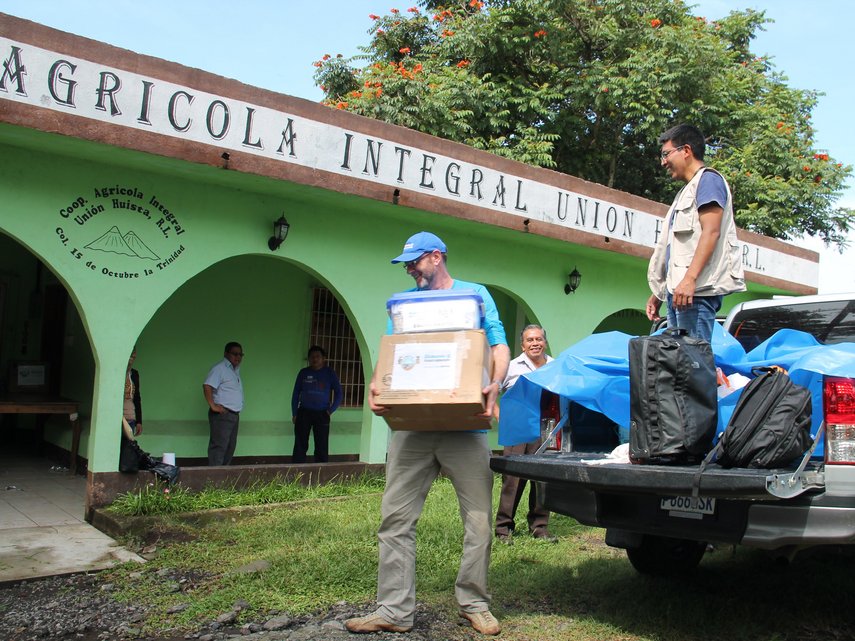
(484, 622)
(373, 623)
(545, 535)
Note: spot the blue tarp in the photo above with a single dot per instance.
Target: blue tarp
(595, 373)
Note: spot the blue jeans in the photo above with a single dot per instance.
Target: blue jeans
(698, 318)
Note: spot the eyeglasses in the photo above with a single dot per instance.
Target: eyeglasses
(664, 155)
(412, 263)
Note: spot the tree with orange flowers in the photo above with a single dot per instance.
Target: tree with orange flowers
(586, 86)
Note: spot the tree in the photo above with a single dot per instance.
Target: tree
(586, 87)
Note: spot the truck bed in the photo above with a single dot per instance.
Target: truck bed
(571, 469)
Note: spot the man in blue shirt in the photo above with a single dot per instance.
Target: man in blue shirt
(223, 391)
(415, 459)
(317, 394)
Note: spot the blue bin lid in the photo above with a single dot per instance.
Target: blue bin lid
(425, 295)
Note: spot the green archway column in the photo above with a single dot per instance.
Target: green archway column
(105, 428)
(374, 438)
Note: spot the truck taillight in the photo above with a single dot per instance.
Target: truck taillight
(838, 396)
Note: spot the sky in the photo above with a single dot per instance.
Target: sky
(273, 43)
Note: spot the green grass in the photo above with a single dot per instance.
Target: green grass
(323, 552)
(158, 498)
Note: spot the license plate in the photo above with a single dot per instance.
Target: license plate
(687, 507)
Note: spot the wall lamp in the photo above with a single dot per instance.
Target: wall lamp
(280, 232)
(574, 279)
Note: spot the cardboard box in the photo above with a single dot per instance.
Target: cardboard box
(438, 310)
(433, 380)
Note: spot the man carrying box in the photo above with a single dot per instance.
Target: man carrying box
(415, 459)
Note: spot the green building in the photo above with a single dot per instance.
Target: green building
(137, 200)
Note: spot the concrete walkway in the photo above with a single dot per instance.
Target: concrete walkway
(42, 530)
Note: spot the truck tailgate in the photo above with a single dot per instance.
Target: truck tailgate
(571, 468)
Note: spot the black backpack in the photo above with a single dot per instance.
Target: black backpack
(770, 426)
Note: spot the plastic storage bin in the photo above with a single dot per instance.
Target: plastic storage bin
(440, 310)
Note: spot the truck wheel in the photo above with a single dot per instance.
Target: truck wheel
(664, 556)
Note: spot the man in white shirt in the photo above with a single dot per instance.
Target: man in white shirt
(533, 344)
(223, 392)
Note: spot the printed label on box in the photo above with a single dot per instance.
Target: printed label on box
(424, 366)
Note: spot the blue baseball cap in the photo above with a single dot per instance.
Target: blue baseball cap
(419, 244)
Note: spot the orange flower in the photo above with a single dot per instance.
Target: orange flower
(806, 168)
(356, 94)
(447, 33)
(462, 64)
(417, 68)
(439, 17)
(317, 63)
(476, 4)
(373, 17)
(780, 124)
(326, 56)
(404, 50)
(413, 9)
(821, 156)
(394, 11)
(540, 34)
(655, 22)
(341, 105)
(378, 93)
(380, 32)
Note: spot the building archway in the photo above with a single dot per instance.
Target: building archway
(275, 308)
(45, 356)
(629, 321)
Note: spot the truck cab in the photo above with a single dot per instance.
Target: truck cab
(647, 509)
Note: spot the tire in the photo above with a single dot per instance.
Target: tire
(664, 556)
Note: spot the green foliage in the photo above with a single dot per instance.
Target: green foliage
(587, 86)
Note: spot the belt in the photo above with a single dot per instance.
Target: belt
(210, 411)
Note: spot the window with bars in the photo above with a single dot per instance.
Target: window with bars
(331, 330)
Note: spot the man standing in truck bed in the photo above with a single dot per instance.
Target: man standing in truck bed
(697, 259)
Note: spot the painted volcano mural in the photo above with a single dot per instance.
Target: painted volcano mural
(130, 244)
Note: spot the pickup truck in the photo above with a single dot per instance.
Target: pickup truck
(648, 509)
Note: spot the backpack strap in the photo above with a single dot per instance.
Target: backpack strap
(696, 481)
